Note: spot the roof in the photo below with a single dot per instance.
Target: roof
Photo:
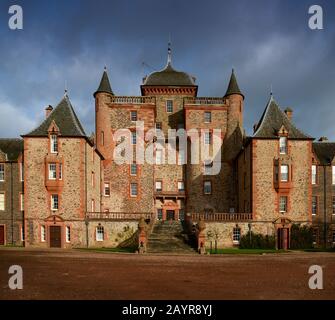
(273, 119)
(65, 118)
(12, 148)
(325, 151)
(233, 87)
(169, 77)
(104, 85)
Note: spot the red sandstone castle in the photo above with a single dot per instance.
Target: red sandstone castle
(70, 192)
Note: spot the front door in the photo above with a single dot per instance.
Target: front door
(283, 238)
(169, 214)
(2, 235)
(55, 237)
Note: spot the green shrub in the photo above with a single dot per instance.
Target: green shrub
(301, 237)
(257, 241)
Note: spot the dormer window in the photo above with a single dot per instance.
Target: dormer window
(283, 145)
(54, 143)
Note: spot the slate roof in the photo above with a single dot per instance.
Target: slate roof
(273, 119)
(12, 148)
(65, 119)
(325, 151)
(104, 84)
(233, 87)
(169, 77)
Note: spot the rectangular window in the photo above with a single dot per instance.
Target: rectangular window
(314, 205)
(92, 205)
(60, 173)
(68, 234)
(284, 173)
(158, 186)
(159, 156)
(52, 171)
(181, 186)
(92, 179)
(133, 115)
(207, 137)
(54, 202)
(313, 174)
(2, 172)
(2, 202)
(208, 167)
(333, 174)
(107, 191)
(21, 172)
(207, 117)
(22, 233)
(99, 233)
(54, 143)
(333, 205)
(207, 187)
(169, 106)
(236, 235)
(133, 137)
(133, 189)
(102, 138)
(283, 204)
(181, 214)
(283, 145)
(22, 201)
(159, 214)
(43, 234)
(159, 125)
(133, 169)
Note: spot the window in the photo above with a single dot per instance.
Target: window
(2, 172)
(92, 205)
(181, 186)
(208, 137)
(333, 205)
(43, 234)
(133, 189)
(133, 115)
(159, 156)
(181, 214)
(22, 201)
(159, 125)
(102, 138)
(133, 169)
(313, 174)
(133, 137)
(158, 186)
(54, 143)
(52, 171)
(99, 233)
(2, 202)
(314, 205)
(208, 167)
(283, 145)
(333, 174)
(236, 235)
(107, 189)
(54, 202)
(159, 214)
(21, 172)
(169, 106)
(207, 117)
(92, 179)
(284, 172)
(22, 233)
(283, 204)
(315, 235)
(67, 234)
(207, 187)
(60, 173)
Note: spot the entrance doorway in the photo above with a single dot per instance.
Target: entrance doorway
(169, 214)
(2, 235)
(283, 238)
(55, 237)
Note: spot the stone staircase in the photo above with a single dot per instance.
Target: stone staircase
(169, 237)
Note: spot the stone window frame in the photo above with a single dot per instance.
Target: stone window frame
(158, 125)
(161, 181)
(99, 233)
(21, 171)
(21, 200)
(207, 117)
(131, 190)
(2, 172)
(287, 173)
(53, 202)
(204, 187)
(169, 106)
(314, 174)
(183, 182)
(208, 137)
(316, 205)
(109, 189)
(43, 233)
(207, 164)
(52, 174)
(54, 144)
(68, 234)
(285, 208)
(236, 234)
(131, 168)
(3, 194)
(135, 114)
(285, 147)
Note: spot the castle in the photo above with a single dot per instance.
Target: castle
(61, 188)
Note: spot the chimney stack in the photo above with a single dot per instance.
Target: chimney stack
(322, 139)
(289, 113)
(48, 110)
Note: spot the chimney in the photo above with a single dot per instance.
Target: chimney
(48, 110)
(289, 113)
(323, 139)
(255, 127)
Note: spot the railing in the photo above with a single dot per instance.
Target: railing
(117, 216)
(169, 194)
(132, 100)
(221, 216)
(204, 100)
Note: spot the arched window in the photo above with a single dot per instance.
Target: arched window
(99, 233)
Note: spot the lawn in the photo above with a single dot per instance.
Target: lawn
(245, 251)
(112, 250)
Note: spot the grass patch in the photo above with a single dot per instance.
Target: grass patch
(244, 251)
(112, 250)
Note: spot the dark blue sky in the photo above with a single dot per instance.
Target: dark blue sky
(267, 42)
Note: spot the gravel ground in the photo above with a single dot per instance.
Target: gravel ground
(59, 274)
